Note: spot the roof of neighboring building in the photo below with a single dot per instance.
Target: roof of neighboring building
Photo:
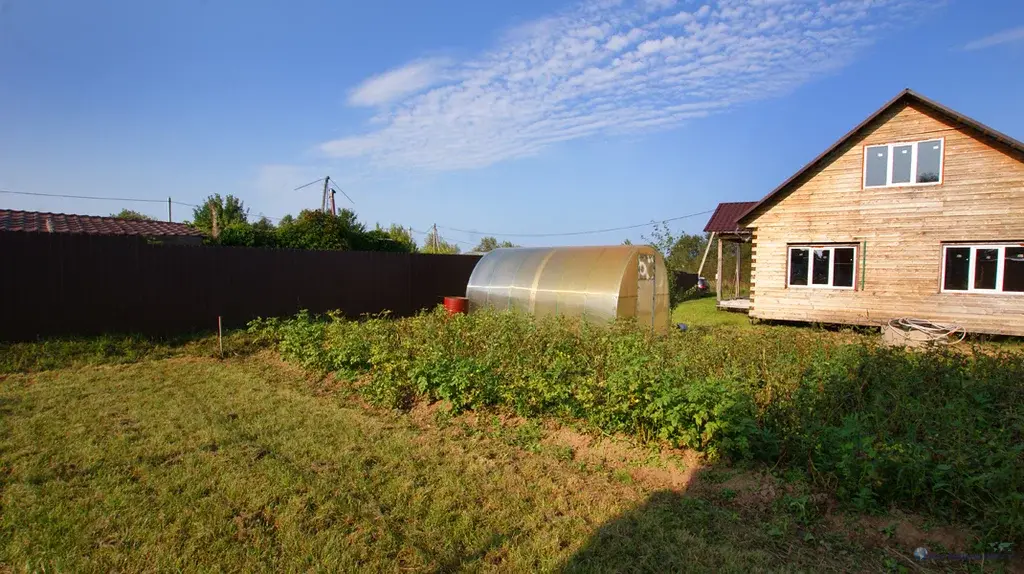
(36, 221)
(905, 97)
(726, 215)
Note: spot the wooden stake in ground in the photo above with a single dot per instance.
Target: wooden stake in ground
(718, 275)
(220, 337)
(739, 253)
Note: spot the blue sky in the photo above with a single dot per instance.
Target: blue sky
(509, 117)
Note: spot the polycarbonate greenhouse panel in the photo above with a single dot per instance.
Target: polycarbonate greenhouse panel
(597, 283)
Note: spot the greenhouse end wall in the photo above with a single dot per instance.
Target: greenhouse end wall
(597, 283)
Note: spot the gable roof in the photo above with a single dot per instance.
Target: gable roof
(726, 215)
(907, 96)
(36, 221)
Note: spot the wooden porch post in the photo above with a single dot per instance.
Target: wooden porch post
(718, 277)
(700, 272)
(738, 245)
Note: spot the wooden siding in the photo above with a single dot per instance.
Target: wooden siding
(902, 229)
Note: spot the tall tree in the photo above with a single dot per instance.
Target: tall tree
(662, 239)
(380, 239)
(684, 252)
(262, 233)
(320, 230)
(131, 214)
(403, 236)
(687, 252)
(491, 243)
(436, 244)
(230, 210)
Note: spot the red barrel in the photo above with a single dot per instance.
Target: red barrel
(456, 305)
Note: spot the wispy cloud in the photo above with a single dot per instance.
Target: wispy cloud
(611, 66)
(394, 84)
(1004, 37)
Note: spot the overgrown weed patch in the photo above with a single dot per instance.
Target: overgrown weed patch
(936, 431)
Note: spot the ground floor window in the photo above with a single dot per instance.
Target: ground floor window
(830, 267)
(985, 268)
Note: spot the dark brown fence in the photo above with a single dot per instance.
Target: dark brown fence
(56, 284)
(684, 281)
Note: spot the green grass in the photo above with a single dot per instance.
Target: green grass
(703, 313)
(59, 353)
(243, 464)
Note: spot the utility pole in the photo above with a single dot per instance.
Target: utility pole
(323, 199)
(213, 217)
(323, 203)
(436, 244)
(169, 220)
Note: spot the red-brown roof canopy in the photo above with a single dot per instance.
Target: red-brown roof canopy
(724, 219)
(36, 221)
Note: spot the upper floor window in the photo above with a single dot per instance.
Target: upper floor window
(830, 267)
(990, 268)
(913, 163)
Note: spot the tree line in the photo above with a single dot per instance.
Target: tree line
(225, 221)
(315, 229)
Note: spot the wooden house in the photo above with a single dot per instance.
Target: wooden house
(916, 212)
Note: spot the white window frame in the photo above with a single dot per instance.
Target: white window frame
(1000, 268)
(913, 164)
(810, 266)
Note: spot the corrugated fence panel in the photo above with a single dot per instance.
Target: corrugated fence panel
(428, 288)
(59, 284)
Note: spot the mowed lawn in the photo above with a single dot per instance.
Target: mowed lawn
(704, 312)
(245, 464)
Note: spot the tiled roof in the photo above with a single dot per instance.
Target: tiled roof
(723, 220)
(36, 221)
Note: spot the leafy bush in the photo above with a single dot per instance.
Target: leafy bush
(937, 430)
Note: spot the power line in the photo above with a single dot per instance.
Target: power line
(329, 185)
(66, 196)
(485, 233)
(83, 196)
(593, 232)
(442, 238)
(342, 191)
(308, 184)
(457, 241)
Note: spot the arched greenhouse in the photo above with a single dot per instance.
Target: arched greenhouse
(597, 283)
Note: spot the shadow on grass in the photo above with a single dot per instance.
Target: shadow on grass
(671, 532)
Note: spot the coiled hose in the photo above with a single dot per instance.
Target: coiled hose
(940, 333)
